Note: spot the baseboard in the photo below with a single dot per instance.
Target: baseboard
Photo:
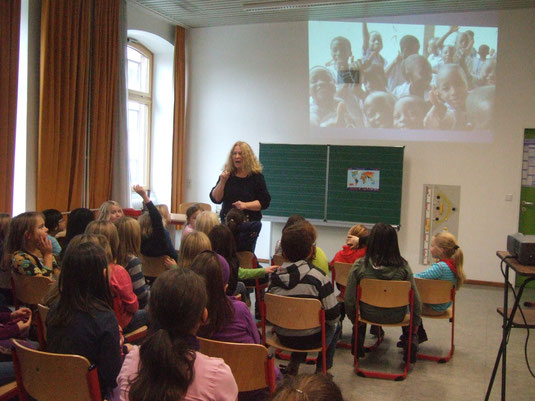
(486, 283)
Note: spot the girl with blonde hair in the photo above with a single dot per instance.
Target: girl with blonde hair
(241, 184)
(206, 221)
(110, 210)
(125, 303)
(191, 246)
(128, 256)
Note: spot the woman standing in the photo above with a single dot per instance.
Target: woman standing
(241, 184)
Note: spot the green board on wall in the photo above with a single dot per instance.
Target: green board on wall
(312, 180)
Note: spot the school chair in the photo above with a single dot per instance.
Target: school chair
(183, 207)
(136, 335)
(384, 294)
(251, 364)
(340, 273)
(438, 292)
(295, 314)
(152, 267)
(40, 322)
(8, 391)
(54, 377)
(277, 259)
(29, 290)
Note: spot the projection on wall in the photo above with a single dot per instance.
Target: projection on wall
(402, 81)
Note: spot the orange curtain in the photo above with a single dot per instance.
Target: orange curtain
(63, 103)
(104, 99)
(9, 73)
(179, 125)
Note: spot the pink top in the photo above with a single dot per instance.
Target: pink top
(212, 381)
(188, 229)
(125, 302)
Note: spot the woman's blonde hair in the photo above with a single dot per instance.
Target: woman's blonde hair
(206, 221)
(190, 246)
(164, 212)
(104, 210)
(109, 231)
(250, 162)
(451, 250)
(129, 233)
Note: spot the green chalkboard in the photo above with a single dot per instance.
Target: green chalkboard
(312, 180)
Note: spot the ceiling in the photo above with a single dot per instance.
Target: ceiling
(205, 13)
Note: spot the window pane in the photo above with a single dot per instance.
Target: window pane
(137, 143)
(138, 71)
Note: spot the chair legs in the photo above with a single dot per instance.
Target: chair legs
(359, 352)
(438, 358)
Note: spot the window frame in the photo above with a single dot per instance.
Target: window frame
(145, 98)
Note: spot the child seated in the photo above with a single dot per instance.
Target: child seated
(383, 261)
(194, 243)
(110, 211)
(191, 215)
(155, 239)
(449, 267)
(299, 278)
(28, 246)
(355, 247)
(168, 366)
(55, 223)
(245, 232)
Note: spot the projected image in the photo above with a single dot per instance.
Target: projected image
(396, 77)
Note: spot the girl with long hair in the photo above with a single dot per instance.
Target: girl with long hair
(28, 247)
(167, 366)
(82, 322)
(383, 261)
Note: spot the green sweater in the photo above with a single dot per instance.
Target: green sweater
(361, 270)
(246, 274)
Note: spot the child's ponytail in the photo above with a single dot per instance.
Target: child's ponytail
(452, 250)
(166, 368)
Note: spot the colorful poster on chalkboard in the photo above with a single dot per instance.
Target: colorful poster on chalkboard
(359, 179)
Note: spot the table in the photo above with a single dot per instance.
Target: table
(508, 322)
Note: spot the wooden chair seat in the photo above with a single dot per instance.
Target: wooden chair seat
(54, 377)
(136, 335)
(384, 294)
(251, 364)
(8, 391)
(438, 292)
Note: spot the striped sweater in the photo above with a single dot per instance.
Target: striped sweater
(303, 279)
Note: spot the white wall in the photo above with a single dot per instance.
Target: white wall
(251, 83)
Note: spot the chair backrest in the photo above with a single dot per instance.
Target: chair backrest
(277, 259)
(42, 311)
(183, 207)
(251, 364)
(30, 290)
(292, 312)
(434, 291)
(54, 377)
(153, 266)
(385, 293)
(246, 259)
(341, 272)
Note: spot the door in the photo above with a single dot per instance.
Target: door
(526, 220)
